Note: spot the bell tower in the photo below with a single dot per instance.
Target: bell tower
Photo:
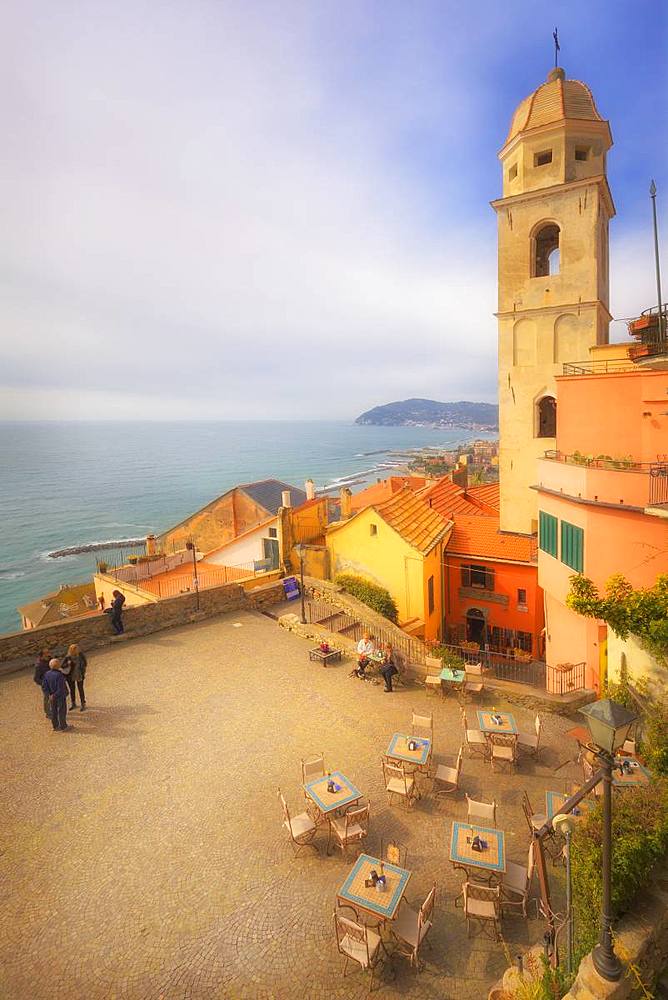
(553, 272)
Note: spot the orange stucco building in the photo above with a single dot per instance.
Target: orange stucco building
(603, 498)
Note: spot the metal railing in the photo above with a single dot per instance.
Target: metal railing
(658, 484)
(184, 584)
(598, 461)
(566, 678)
(353, 627)
(600, 367)
(502, 666)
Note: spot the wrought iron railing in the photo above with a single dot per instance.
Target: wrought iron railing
(566, 677)
(502, 666)
(353, 627)
(658, 484)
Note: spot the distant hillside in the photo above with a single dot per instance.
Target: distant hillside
(428, 411)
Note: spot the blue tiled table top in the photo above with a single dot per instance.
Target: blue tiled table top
(494, 858)
(454, 676)
(398, 748)
(637, 775)
(382, 904)
(508, 724)
(329, 801)
(555, 800)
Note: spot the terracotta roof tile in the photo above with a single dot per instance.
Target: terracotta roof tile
(488, 494)
(413, 519)
(446, 498)
(479, 535)
(73, 601)
(379, 492)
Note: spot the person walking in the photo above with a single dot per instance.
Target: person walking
(74, 667)
(41, 667)
(388, 668)
(117, 612)
(55, 686)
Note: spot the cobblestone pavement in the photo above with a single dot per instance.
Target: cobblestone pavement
(142, 852)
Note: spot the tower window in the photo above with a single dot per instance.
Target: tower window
(542, 158)
(582, 153)
(512, 173)
(546, 251)
(547, 417)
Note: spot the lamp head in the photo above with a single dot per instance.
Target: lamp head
(608, 723)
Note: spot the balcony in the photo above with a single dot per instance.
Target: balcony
(604, 480)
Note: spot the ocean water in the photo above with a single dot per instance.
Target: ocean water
(66, 484)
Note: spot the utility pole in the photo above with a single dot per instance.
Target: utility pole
(662, 329)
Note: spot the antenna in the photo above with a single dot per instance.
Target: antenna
(557, 47)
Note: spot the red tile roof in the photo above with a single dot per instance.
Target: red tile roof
(446, 498)
(379, 492)
(413, 519)
(487, 494)
(479, 535)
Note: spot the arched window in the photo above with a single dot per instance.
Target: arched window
(547, 417)
(546, 251)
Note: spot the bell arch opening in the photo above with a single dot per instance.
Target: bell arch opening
(546, 417)
(545, 251)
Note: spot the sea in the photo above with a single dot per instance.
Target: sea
(70, 483)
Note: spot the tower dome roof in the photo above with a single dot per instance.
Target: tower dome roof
(554, 101)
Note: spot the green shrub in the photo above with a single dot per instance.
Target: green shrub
(449, 658)
(639, 841)
(375, 597)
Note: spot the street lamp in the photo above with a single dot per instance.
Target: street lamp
(301, 553)
(609, 725)
(193, 548)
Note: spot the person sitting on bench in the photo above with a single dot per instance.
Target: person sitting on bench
(365, 650)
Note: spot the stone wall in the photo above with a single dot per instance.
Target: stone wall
(20, 649)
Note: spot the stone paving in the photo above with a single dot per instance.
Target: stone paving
(142, 852)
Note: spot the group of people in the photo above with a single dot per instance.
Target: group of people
(368, 653)
(56, 676)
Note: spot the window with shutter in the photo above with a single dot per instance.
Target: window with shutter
(572, 546)
(547, 533)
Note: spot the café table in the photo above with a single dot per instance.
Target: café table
(329, 803)
(487, 725)
(383, 905)
(398, 750)
(633, 776)
(452, 678)
(491, 860)
(555, 800)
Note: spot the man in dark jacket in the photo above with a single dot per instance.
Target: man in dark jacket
(54, 686)
(117, 611)
(41, 667)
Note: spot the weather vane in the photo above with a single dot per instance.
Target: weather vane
(557, 47)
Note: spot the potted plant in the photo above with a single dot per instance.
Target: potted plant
(102, 567)
(522, 656)
(133, 560)
(470, 646)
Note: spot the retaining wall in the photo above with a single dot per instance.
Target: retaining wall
(20, 649)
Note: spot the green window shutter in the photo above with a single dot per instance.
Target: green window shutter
(547, 528)
(572, 546)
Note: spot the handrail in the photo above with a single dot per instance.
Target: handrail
(600, 462)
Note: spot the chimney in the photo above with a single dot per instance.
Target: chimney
(346, 508)
(309, 489)
(460, 476)
(285, 499)
(150, 545)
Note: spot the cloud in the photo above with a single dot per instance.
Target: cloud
(242, 210)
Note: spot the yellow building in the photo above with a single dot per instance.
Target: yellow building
(553, 272)
(397, 544)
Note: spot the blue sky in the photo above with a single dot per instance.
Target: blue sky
(218, 209)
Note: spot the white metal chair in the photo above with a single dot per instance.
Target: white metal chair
(530, 742)
(399, 782)
(481, 813)
(446, 779)
(357, 942)
(516, 884)
(312, 768)
(474, 682)
(410, 927)
(393, 852)
(423, 726)
(352, 827)
(474, 739)
(503, 749)
(301, 828)
(483, 904)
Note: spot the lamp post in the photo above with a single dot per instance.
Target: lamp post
(193, 548)
(563, 823)
(300, 553)
(609, 725)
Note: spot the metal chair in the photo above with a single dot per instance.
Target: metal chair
(357, 942)
(446, 779)
(352, 827)
(399, 782)
(480, 813)
(423, 726)
(410, 928)
(473, 682)
(313, 767)
(474, 740)
(301, 828)
(483, 904)
(530, 742)
(394, 853)
(503, 749)
(516, 883)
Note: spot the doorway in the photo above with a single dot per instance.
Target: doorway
(475, 626)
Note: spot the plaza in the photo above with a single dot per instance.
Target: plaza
(143, 851)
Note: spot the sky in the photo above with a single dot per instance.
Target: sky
(280, 210)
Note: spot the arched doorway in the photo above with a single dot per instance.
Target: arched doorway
(475, 626)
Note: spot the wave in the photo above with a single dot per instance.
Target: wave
(12, 574)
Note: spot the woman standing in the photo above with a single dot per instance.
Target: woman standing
(74, 667)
